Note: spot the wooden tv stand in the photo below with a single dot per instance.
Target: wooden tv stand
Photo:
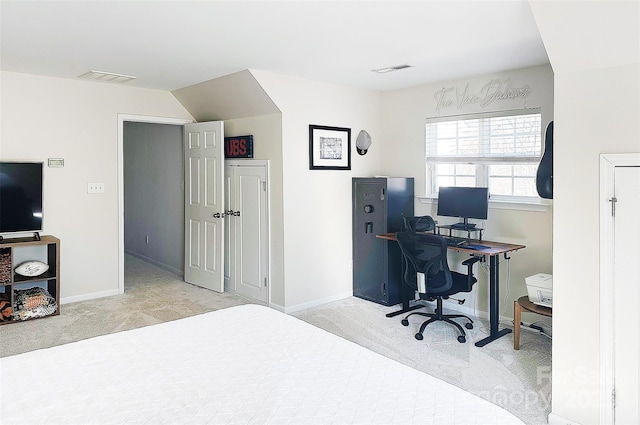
(10, 281)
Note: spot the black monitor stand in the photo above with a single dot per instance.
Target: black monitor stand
(464, 225)
(460, 227)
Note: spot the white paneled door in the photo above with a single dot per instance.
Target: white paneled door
(204, 205)
(626, 294)
(247, 246)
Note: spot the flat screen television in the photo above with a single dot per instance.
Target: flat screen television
(21, 197)
(463, 202)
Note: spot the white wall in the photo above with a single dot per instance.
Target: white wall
(311, 242)
(44, 117)
(597, 110)
(405, 112)
(317, 203)
(586, 130)
(267, 144)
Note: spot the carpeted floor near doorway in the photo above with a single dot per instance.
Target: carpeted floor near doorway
(152, 295)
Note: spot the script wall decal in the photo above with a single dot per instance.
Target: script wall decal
(494, 91)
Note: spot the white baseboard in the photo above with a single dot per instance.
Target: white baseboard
(469, 311)
(111, 292)
(92, 296)
(554, 419)
(155, 263)
(277, 307)
(315, 303)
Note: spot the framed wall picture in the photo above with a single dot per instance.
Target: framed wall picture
(329, 148)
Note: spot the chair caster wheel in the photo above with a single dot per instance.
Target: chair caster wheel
(469, 326)
(405, 322)
(419, 336)
(462, 339)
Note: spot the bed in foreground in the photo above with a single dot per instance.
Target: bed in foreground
(241, 365)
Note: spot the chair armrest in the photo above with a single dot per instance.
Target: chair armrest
(471, 261)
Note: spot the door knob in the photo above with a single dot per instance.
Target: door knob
(217, 215)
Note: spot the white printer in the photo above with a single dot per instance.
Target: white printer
(540, 289)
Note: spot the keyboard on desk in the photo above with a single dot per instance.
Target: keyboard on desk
(453, 241)
(462, 243)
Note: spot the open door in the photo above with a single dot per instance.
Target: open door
(204, 205)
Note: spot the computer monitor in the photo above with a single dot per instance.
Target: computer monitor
(463, 202)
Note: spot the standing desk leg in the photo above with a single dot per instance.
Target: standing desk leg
(494, 303)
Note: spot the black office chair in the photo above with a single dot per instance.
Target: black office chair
(427, 254)
(418, 223)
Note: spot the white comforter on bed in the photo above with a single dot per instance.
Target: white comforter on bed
(242, 365)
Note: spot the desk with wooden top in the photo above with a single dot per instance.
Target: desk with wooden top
(493, 251)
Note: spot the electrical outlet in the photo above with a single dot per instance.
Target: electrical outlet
(95, 187)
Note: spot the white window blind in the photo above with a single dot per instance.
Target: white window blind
(498, 150)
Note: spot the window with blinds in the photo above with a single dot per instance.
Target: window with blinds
(500, 151)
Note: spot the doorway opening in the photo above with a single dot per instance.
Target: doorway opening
(122, 119)
(153, 201)
(151, 183)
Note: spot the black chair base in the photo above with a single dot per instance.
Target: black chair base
(437, 316)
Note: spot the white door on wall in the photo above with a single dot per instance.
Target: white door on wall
(626, 294)
(204, 205)
(247, 243)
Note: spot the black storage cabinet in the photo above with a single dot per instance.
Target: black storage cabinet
(378, 206)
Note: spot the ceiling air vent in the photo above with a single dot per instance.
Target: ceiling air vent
(107, 77)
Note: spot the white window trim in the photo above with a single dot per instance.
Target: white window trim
(539, 205)
(532, 203)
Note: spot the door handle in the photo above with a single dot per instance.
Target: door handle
(217, 215)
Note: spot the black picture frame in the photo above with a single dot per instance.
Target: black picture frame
(329, 148)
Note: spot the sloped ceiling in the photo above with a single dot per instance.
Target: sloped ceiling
(238, 95)
(600, 34)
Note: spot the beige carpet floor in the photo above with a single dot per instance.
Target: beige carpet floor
(519, 381)
(152, 295)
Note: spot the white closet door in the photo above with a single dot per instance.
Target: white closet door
(627, 294)
(247, 244)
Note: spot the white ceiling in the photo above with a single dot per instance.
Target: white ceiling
(174, 44)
